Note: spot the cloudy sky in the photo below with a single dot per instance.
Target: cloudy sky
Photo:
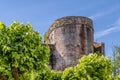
(42, 13)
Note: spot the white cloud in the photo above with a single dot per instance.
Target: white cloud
(114, 28)
(98, 15)
(101, 14)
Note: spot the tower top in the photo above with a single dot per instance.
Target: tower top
(68, 20)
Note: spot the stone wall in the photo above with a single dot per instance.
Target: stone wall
(72, 38)
(99, 47)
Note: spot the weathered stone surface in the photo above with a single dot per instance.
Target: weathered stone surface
(99, 47)
(72, 37)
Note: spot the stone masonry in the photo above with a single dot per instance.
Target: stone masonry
(69, 39)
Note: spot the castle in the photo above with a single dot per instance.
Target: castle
(69, 39)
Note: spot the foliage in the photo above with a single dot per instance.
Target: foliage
(69, 74)
(24, 57)
(2, 25)
(92, 67)
(117, 77)
(45, 36)
(56, 75)
(116, 60)
(21, 50)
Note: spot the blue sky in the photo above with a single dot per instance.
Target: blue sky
(42, 13)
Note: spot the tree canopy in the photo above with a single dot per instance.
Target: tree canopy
(116, 60)
(22, 53)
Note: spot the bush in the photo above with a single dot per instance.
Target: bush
(91, 67)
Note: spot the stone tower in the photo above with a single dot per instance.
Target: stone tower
(69, 38)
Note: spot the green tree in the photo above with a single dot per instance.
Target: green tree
(22, 53)
(116, 60)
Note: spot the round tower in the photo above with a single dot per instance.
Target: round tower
(72, 37)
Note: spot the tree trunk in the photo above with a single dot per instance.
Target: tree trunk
(15, 73)
(3, 77)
